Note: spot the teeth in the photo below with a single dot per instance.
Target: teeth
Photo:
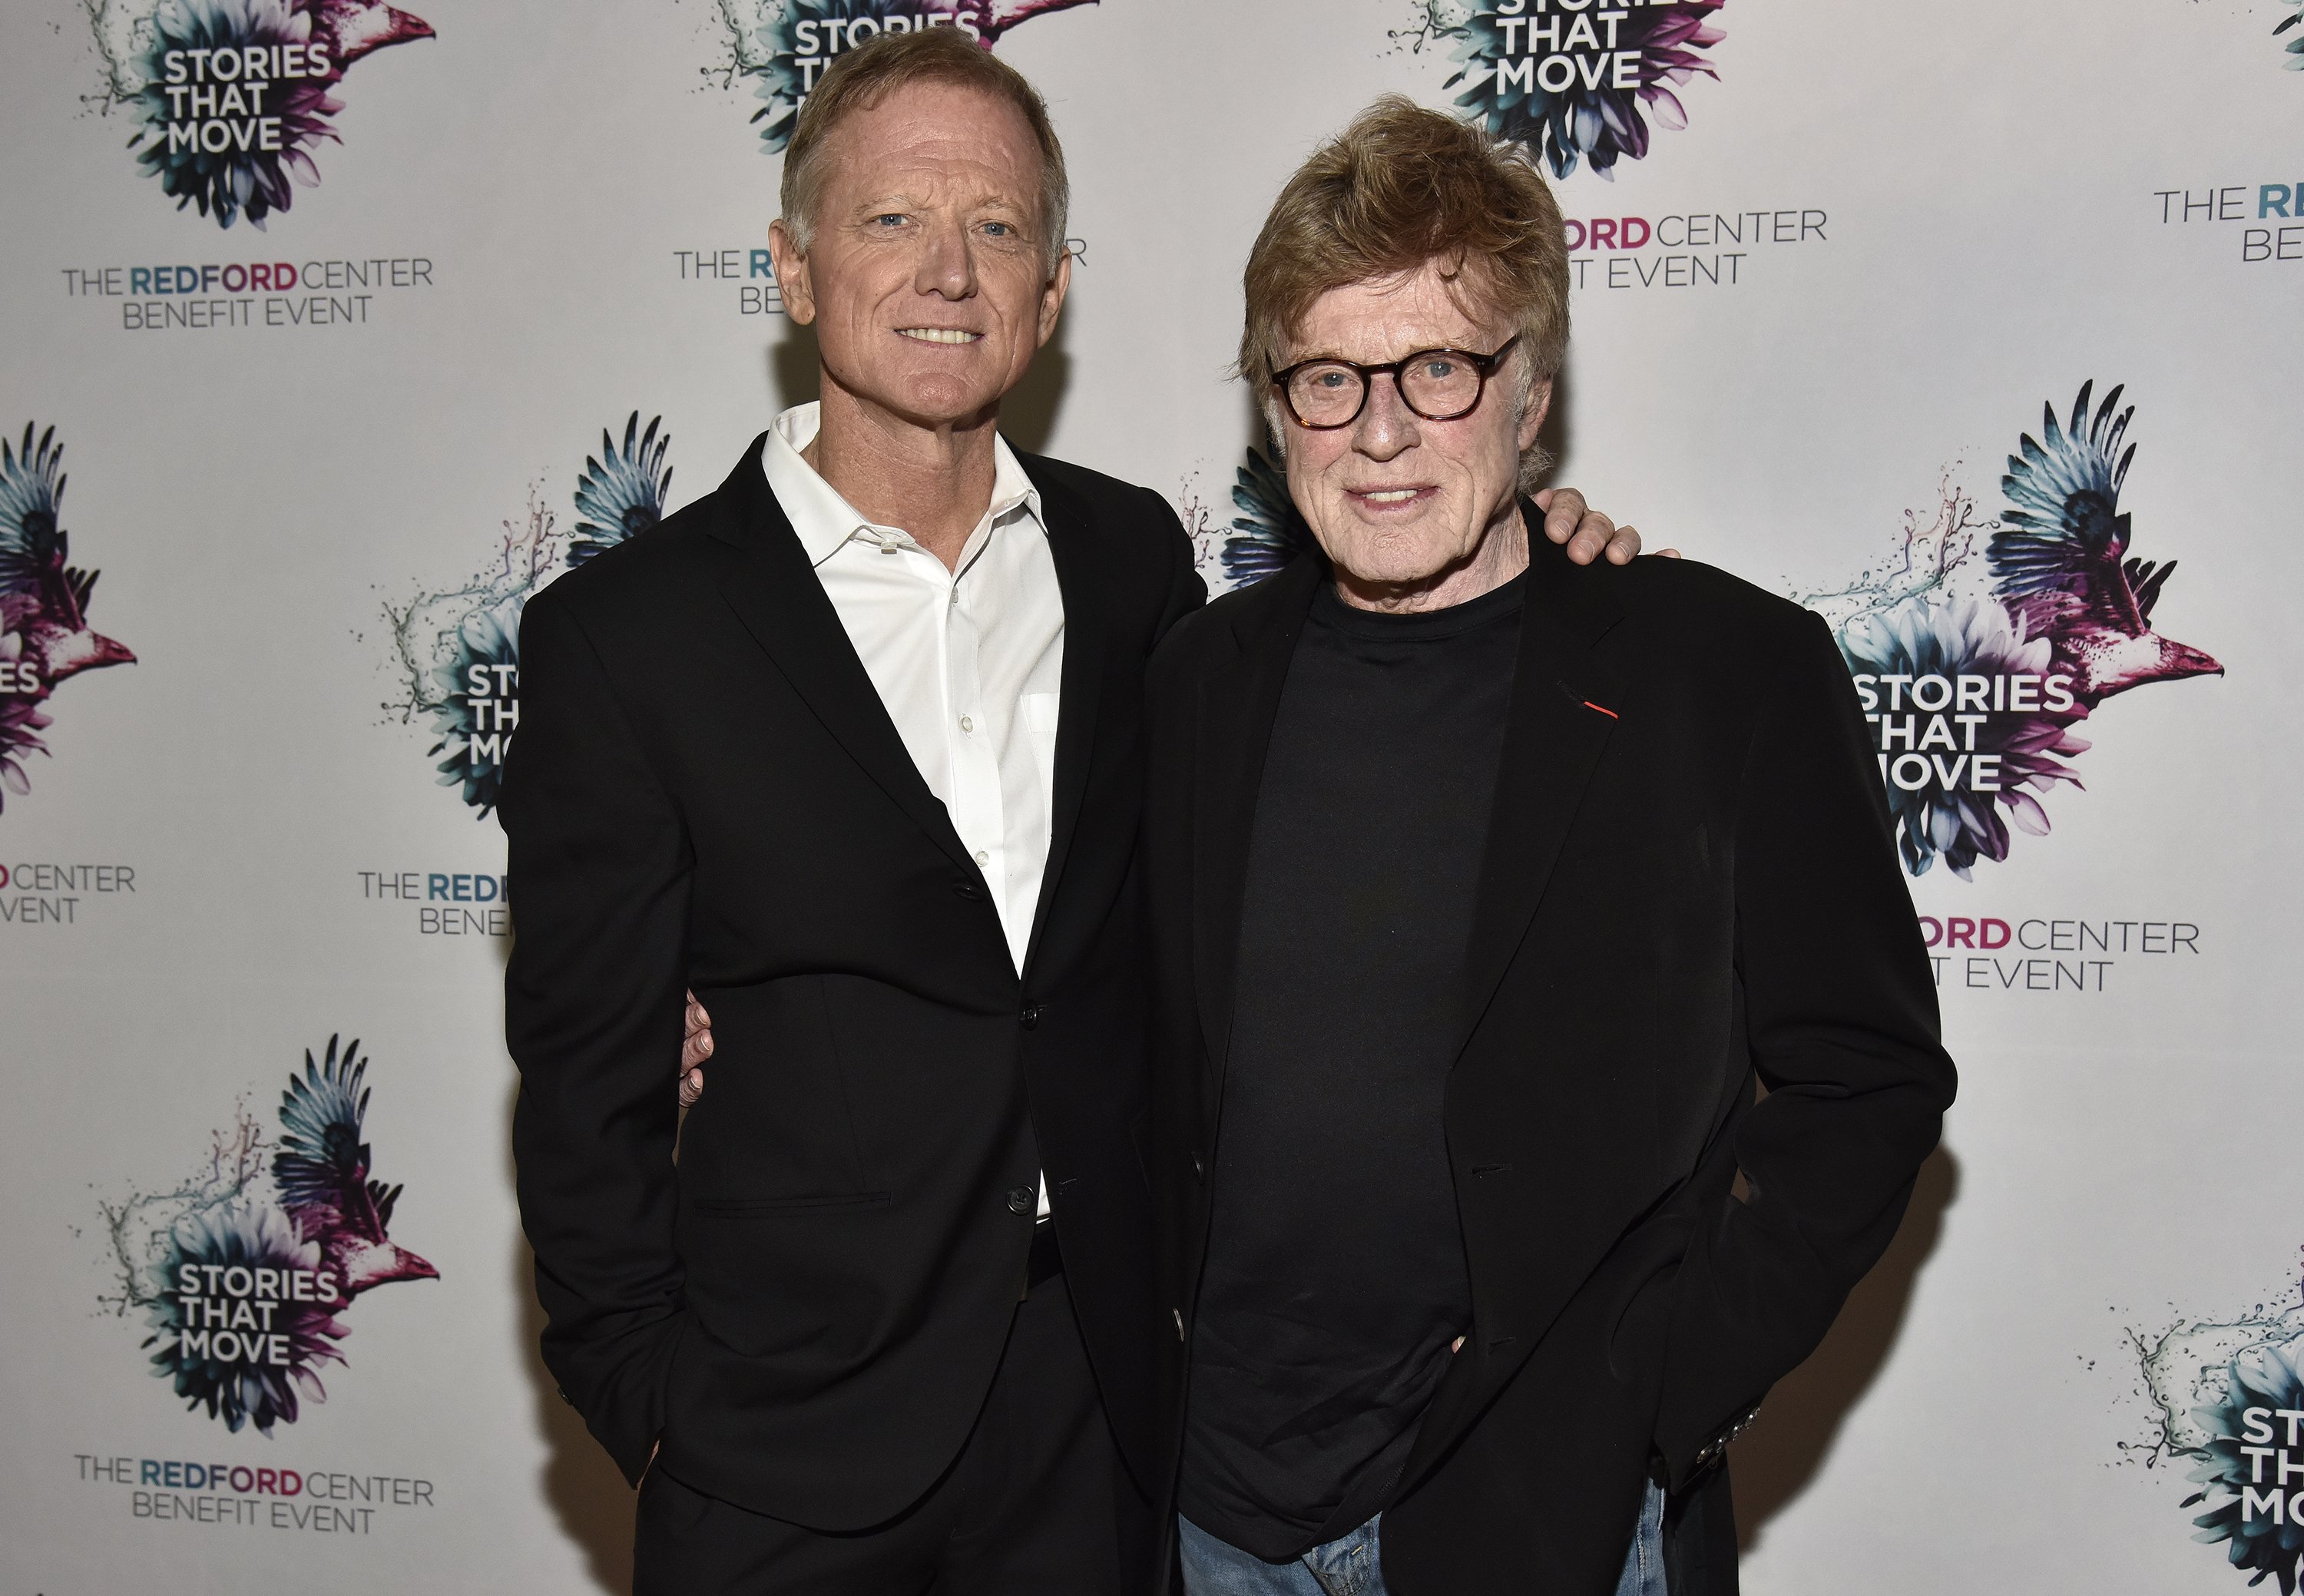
(1389, 496)
(938, 334)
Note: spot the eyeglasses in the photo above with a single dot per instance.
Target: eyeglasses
(1439, 385)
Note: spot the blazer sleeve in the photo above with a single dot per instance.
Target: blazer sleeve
(1840, 1007)
(599, 868)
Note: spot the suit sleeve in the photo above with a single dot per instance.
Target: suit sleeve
(599, 869)
(1840, 1009)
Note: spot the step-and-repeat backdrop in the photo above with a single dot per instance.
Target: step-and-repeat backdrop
(348, 328)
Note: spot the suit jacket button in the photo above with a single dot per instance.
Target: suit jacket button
(1199, 1170)
(1019, 1200)
(1031, 1017)
(966, 889)
(1179, 1313)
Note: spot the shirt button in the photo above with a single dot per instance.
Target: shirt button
(1019, 1200)
(966, 723)
(982, 857)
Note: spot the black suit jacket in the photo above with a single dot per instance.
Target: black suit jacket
(1688, 884)
(705, 790)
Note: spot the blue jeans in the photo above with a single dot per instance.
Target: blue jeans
(1352, 1565)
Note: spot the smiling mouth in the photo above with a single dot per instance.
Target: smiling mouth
(1388, 497)
(938, 334)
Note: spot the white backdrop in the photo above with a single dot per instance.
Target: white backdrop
(1884, 240)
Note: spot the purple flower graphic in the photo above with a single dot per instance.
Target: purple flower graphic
(787, 44)
(1582, 85)
(235, 94)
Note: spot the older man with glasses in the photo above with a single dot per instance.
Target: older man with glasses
(1487, 890)
(852, 747)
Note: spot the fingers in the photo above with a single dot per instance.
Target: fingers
(1563, 508)
(696, 1046)
(1667, 554)
(1568, 520)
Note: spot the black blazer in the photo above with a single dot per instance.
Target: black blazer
(1690, 884)
(705, 790)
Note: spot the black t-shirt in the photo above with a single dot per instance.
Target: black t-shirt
(1335, 1278)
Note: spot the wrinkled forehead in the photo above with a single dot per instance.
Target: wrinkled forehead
(1443, 301)
(938, 141)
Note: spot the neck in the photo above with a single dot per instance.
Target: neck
(1501, 554)
(932, 480)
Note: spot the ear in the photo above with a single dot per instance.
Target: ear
(1052, 296)
(792, 281)
(1532, 413)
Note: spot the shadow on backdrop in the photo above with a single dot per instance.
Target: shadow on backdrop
(1557, 436)
(1774, 1460)
(1028, 416)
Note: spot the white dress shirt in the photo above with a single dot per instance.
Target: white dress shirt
(968, 662)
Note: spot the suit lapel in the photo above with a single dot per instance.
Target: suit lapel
(1564, 704)
(768, 583)
(1069, 543)
(1236, 710)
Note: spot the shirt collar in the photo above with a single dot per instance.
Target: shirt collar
(824, 521)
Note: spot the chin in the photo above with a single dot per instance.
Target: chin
(939, 397)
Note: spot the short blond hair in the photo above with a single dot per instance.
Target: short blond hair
(1402, 186)
(861, 78)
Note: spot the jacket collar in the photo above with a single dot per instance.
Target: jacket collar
(824, 521)
(769, 581)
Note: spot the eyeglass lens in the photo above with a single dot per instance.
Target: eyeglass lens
(1437, 386)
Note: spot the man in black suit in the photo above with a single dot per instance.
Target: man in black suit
(852, 747)
(1484, 889)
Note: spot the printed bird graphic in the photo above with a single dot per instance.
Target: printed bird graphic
(247, 1292)
(43, 631)
(622, 493)
(322, 1174)
(2062, 558)
(1269, 530)
(1515, 83)
(2066, 625)
(245, 166)
(353, 28)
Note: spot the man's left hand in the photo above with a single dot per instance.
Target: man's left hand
(1568, 520)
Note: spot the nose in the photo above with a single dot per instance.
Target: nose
(1387, 426)
(946, 267)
